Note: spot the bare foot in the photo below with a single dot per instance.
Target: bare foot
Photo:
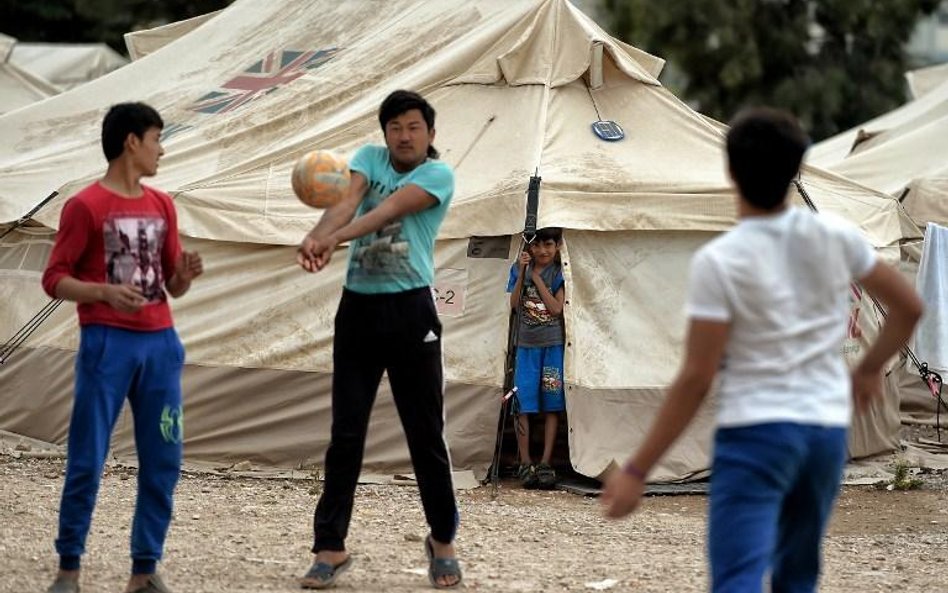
(72, 575)
(331, 557)
(149, 582)
(136, 582)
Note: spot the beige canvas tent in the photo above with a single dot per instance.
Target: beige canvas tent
(923, 80)
(66, 65)
(903, 153)
(18, 87)
(516, 85)
(923, 110)
(146, 41)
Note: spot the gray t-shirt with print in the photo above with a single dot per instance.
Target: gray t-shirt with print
(538, 327)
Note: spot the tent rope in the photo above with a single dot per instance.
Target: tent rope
(930, 378)
(7, 350)
(29, 215)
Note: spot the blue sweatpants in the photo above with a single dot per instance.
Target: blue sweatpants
(145, 367)
(772, 491)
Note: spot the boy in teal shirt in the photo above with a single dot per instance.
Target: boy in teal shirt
(387, 322)
(398, 256)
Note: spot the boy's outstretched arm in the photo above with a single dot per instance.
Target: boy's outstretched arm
(704, 350)
(904, 309)
(334, 218)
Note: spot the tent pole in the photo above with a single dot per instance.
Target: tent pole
(22, 220)
(513, 334)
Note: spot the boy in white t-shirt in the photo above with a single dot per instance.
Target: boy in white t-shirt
(768, 309)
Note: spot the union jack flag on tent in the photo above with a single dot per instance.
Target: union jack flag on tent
(274, 70)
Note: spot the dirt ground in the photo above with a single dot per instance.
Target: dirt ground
(247, 534)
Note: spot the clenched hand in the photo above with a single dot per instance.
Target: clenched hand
(126, 298)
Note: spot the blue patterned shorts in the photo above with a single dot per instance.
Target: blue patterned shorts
(539, 373)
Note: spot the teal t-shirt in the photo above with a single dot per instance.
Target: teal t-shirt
(399, 256)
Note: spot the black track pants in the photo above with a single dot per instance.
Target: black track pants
(399, 333)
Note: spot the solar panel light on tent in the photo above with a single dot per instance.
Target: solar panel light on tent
(608, 130)
(605, 129)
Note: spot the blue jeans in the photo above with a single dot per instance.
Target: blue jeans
(772, 490)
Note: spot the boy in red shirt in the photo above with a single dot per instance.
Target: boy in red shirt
(117, 252)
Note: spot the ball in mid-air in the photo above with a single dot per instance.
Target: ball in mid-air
(320, 178)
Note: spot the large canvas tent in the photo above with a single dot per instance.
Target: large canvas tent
(921, 81)
(516, 85)
(66, 65)
(18, 88)
(903, 153)
(145, 41)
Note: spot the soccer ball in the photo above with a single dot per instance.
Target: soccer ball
(320, 178)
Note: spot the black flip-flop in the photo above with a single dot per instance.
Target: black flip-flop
(322, 575)
(441, 567)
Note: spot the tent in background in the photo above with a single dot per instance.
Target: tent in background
(146, 41)
(903, 153)
(517, 85)
(17, 87)
(926, 109)
(66, 65)
(924, 80)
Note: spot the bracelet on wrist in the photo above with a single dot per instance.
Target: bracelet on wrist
(630, 469)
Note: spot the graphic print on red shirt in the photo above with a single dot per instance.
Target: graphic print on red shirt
(107, 238)
(133, 252)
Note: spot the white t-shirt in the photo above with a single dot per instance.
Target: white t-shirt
(782, 281)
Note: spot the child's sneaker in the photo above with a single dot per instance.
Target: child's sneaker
(527, 473)
(546, 477)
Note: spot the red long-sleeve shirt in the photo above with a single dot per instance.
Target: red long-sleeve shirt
(107, 238)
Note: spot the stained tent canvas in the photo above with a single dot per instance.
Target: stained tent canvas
(516, 85)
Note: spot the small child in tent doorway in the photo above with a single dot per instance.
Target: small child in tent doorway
(537, 294)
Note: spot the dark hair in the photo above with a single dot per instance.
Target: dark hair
(765, 147)
(550, 233)
(124, 119)
(399, 102)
